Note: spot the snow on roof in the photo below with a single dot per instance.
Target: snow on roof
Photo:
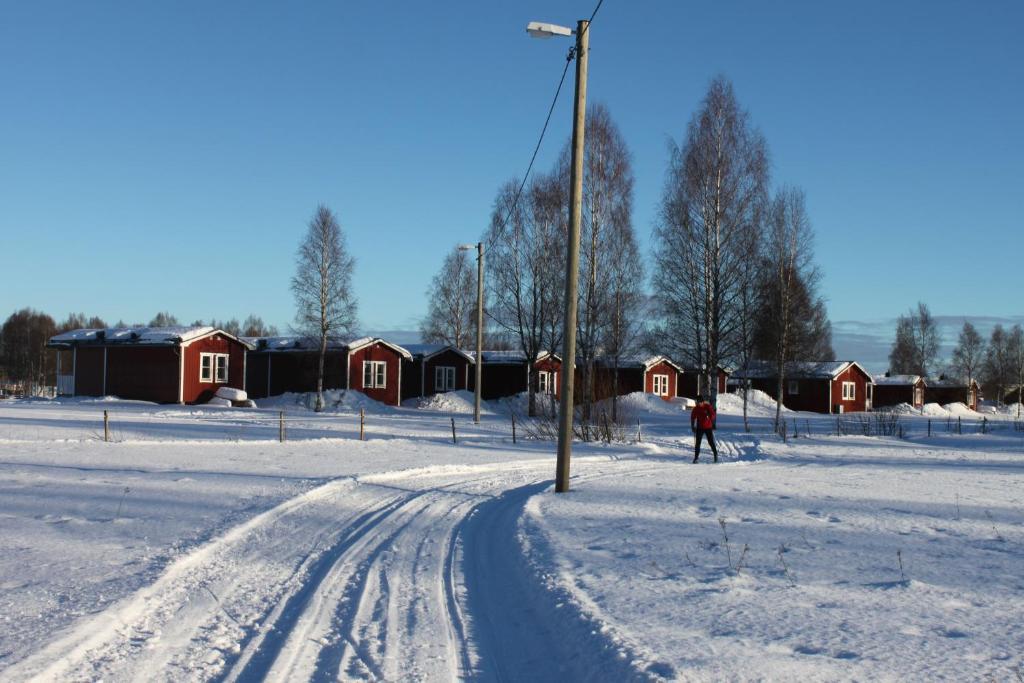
(293, 343)
(797, 369)
(428, 350)
(946, 382)
(896, 380)
(636, 361)
(515, 357)
(366, 341)
(132, 335)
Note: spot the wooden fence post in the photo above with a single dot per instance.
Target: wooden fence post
(929, 428)
(453, 431)
(362, 424)
(638, 432)
(280, 426)
(959, 426)
(513, 427)
(106, 426)
(984, 424)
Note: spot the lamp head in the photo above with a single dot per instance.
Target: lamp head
(540, 29)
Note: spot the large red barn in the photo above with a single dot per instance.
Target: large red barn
(160, 364)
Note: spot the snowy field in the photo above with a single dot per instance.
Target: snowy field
(195, 546)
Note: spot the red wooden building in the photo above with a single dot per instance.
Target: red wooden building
(814, 386)
(160, 364)
(435, 369)
(370, 365)
(948, 390)
(656, 375)
(691, 382)
(894, 390)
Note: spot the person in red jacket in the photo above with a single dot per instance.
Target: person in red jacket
(702, 422)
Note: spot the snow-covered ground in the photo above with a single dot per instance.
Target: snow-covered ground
(196, 546)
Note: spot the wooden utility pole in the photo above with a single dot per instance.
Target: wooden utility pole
(565, 414)
(479, 331)
(106, 426)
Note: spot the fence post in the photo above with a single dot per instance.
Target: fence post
(106, 426)
(984, 424)
(638, 433)
(453, 431)
(807, 427)
(513, 427)
(929, 428)
(362, 423)
(796, 429)
(280, 427)
(959, 426)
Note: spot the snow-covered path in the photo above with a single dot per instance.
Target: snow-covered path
(359, 579)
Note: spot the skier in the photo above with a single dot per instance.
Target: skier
(702, 422)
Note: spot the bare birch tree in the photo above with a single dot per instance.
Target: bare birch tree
(526, 253)
(790, 279)
(322, 285)
(606, 239)
(451, 315)
(917, 343)
(714, 189)
(968, 356)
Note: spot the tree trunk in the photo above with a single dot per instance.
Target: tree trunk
(320, 373)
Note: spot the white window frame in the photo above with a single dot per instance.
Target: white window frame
(660, 380)
(444, 378)
(546, 382)
(849, 391)
(794, 387)
(378, 374)
(211, 373)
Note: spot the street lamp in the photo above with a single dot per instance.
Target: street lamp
(479, 324)
(565, 407)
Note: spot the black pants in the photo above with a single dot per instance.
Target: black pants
(700, 433)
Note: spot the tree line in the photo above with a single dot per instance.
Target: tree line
(732, 276)
(996, 364)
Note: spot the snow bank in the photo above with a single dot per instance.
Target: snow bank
(642, 403)
(232, 394)
(950, 409)
(218, 401)
(335, 401)
(460, 402)
(758, 403)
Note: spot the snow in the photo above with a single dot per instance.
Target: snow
(232, 394)
(758, 404)
(335, 401)
(196, 546)
(219, 401)
(139, 335)
(459, 402)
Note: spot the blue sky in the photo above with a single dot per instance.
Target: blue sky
(166, 156)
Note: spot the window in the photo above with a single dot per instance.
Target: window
(546, 382)
(213, 368)
(849, 391)
(661, 385)
(444, 378)
(794, 387)
(374, 374)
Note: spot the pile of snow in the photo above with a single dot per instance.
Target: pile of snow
(758, 403)
(232, 394)
(460, 402)
(950, 409)
(900, 409)
(335, 401)
(218, 401)
(642, 403)
(520, 404)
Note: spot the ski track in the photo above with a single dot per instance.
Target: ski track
(415, 575)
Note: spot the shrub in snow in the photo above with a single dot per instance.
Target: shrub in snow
(231, 394)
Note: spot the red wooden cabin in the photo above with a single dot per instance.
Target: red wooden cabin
(375, 368)
(814, 386)
(948, 390)
(691, 382)
(656, 375)
(159, 364)
(435, 369)
(505, 373)
(894, 390)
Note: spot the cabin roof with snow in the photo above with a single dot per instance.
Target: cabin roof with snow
(138, 336)
(510, 357)
(302, 343)
(896, 380)
(799, 369)
(427, 351)
(644, 362)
